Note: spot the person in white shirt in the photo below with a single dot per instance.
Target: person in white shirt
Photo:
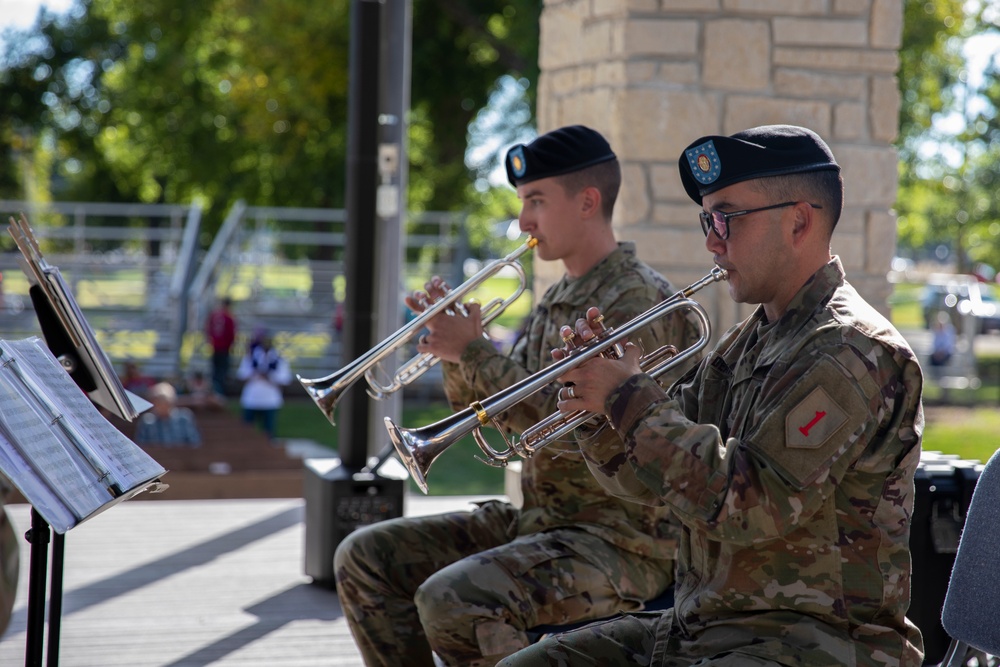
(264, 372)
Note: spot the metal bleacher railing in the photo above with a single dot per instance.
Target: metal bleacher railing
(146, 283)
(127, 265)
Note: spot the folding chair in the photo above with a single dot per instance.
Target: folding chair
(971, 614)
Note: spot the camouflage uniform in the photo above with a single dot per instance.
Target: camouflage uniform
(788, 455)
(572, 552)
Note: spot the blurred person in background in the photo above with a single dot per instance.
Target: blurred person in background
(166, 423)
(220, 332)
(135, 380)
(943, 340)
(200, 393)
(264, 373)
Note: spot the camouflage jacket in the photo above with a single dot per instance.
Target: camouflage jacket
(558, 489)
(788, 455)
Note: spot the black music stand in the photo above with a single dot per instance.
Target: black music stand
(70, 339)
(68, 462)
(59, 342)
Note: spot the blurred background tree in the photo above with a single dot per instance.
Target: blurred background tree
(219, 100)
(948, 140)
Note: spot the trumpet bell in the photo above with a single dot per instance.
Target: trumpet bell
(327, 391)
(418, 448)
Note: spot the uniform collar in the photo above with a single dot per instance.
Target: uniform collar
(811, 297)
(575, 290)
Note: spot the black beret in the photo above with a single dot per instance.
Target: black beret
(714, 162)
(558, 152)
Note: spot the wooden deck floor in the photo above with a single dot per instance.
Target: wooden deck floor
(193, 583)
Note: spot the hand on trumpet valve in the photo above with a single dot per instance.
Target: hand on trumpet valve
(448, 334)
(584, 332)
(419, 301)
(587, 386)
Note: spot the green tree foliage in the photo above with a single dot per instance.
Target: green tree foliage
(218, 100)
(930, 64)
(48, 99)
(982, 209)
(948, 176)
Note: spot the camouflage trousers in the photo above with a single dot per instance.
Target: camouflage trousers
(462, 585)
(653, 639)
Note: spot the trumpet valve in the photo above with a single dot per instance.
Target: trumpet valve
(616, 351)
(568, 338)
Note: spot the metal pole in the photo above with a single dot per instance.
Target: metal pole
(38, 536)
(56, 598)
(362, 151)
(391, 197)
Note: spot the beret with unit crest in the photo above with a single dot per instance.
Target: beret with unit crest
(555, 153)
(715, 162)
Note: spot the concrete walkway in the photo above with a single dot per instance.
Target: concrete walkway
(193, 583)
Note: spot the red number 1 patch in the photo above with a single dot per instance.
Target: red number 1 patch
(811, 423)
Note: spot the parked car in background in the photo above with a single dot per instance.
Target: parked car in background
(989, 317)
(960, 295)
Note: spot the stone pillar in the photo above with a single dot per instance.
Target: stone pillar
(654, 75)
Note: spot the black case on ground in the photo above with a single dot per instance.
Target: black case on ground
(944, 485)
(336, 503)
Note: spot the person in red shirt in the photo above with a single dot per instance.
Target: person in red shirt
(220, 330)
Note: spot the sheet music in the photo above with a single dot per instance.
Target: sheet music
(47, 502)
(127, 464)
(57, 448)
(51, 462)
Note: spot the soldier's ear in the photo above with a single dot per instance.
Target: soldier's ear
(590, 202)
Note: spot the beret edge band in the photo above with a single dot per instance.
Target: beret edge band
(567, 170)
(723, 183)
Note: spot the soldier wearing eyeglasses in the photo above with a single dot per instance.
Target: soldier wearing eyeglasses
(788, 454)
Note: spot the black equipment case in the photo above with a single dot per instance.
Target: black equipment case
(944, 486)
(337, 502)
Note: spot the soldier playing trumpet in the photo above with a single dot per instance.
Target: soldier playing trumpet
(788, 454)
(468, 585)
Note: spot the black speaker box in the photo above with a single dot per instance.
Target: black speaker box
(338, 501)
(944, 486)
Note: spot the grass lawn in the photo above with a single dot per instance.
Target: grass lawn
(904, 304)
(970, 433)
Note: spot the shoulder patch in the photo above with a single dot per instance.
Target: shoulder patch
(803, 431)
(813, 421)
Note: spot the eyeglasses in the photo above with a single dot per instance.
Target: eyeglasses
(718, 221)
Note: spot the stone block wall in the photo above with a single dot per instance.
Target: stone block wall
(653, 75)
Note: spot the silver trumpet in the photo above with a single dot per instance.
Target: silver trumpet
(419, 447)
(326, 391)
